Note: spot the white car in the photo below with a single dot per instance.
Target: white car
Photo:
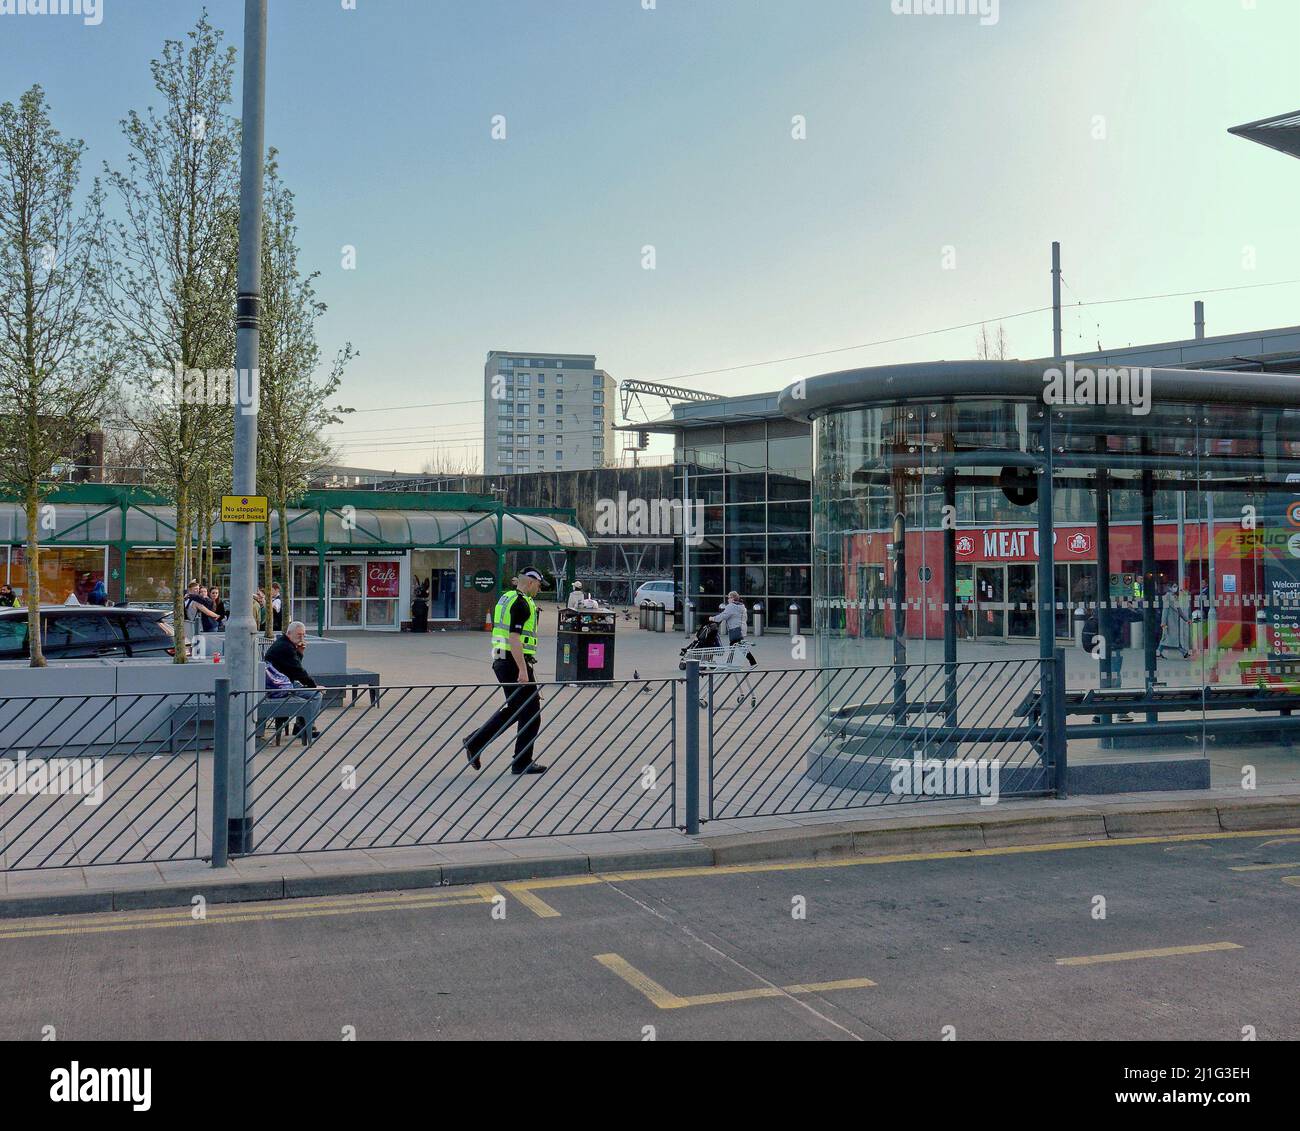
(661, 592)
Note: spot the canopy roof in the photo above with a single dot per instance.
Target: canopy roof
(1023, 380)
(354, 528)
(1281, 132)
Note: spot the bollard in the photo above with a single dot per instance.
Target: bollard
(220, 768)
(758, 618)
(660, 617)
(644, 610)
(794, 620)
(688, 615)
(692, 747)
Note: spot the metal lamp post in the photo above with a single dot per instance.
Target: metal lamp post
(241, 645)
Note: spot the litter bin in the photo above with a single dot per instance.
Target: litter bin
(584, 645)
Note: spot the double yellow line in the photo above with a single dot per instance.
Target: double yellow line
(240, 913)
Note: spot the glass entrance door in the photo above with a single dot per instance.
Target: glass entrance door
(306, 593)
(347, 584)
(990, 602)
(1022, 596)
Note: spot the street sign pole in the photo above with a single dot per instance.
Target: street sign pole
(241, 646)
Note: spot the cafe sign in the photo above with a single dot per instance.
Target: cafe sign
(382, 579)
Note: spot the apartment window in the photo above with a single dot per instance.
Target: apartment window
(541, 394)
(595, 382)
(597, 413)
(524, 378)
(559, 378)
(559, 458)
(504, 410)
(541, 378)
(598, 396)
(559, 365)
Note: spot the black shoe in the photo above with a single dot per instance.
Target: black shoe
(471, 758)
(531, 768)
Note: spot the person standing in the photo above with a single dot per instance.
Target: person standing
(218, 607)
(277, 607)
(196, 608)
(514, 655)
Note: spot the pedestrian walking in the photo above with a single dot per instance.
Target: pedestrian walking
(514, 654)
(732, 620)
(1174, 624)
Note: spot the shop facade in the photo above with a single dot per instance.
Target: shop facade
(359, 559)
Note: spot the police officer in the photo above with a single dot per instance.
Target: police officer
(514, 653)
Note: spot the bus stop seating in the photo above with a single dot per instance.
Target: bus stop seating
(1220, 699)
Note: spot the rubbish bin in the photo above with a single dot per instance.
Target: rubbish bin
(758, 618)
(584, 645)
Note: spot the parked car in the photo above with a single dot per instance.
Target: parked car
(72, 632)
(661, 592)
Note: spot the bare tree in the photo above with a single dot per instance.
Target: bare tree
(444, 462)
(992, 347)
(54, 371)
(172, 263)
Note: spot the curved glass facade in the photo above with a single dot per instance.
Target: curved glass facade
(1175, 546)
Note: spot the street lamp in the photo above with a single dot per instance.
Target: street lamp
(241, 646)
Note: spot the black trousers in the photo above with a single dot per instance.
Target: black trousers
(522, 707)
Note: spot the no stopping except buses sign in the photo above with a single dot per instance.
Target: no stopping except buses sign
(243, 508)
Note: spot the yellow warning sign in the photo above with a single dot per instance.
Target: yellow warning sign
(243, 508)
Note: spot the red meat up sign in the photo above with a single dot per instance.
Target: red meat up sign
(1010, 544)
(381, 579)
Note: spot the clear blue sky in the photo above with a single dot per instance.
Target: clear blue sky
(672, 127)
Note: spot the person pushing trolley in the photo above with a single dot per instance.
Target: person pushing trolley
(514, 655)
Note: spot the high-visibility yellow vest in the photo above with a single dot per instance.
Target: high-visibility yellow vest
(501, 623)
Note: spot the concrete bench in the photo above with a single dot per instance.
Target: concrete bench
(279, 711)
(354, 678)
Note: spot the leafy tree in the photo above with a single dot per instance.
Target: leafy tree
(54, 366)
(171, 259)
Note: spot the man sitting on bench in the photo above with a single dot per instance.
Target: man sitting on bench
(285, 655)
